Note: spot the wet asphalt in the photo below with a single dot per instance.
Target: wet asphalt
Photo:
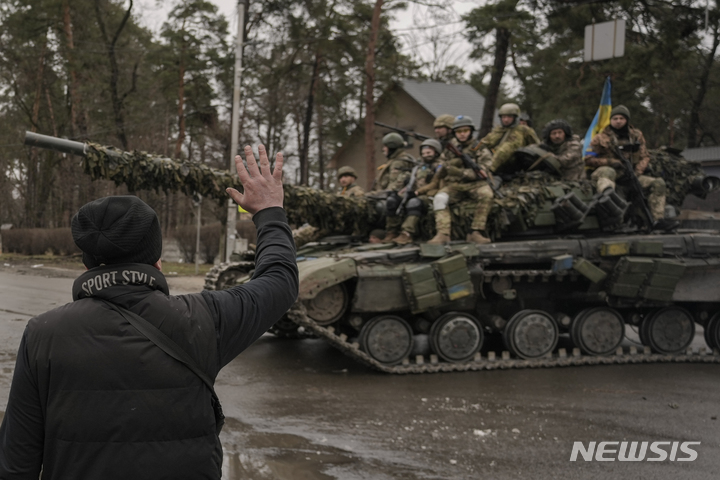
(299, 409)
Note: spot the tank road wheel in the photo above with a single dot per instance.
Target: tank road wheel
(456, 337)
(328, 305)
(669, 330)
(712, 332)
(597, 331)
(531, 334)
(387, 338)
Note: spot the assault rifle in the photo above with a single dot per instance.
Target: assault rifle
(634, 182)
(467, 161)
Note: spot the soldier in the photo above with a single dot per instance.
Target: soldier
(460, 183)
(565, 148)
(608, 168)
(524, 119)
(347, 178)
(393, 176)
(443, 127)
(430, 151)
(503, 140)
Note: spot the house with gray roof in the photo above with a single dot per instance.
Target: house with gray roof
(709, 157)
(410, 105)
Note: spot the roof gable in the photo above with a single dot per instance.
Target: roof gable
(440, 98)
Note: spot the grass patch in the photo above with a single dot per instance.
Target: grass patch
(74, 262)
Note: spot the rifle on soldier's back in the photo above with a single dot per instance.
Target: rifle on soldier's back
(634, 182)
(467, 161)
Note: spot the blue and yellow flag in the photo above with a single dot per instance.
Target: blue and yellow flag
(602, 116)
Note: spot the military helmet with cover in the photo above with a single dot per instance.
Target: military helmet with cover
(463, 121)
(346, 170)
(432, 143)
(393, 141)
(557, 124)
(444, 120)
(509, 109)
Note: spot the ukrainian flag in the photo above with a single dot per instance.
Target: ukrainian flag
(602, 116)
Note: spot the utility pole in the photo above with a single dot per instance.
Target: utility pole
(235, 125)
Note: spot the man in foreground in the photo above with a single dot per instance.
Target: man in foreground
(92, 397)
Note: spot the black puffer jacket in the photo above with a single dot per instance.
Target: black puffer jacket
(92, 398)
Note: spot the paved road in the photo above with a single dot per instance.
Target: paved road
(300, 410)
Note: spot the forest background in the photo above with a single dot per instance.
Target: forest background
(93, 70)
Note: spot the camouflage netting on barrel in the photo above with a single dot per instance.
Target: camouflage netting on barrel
(681, 176)
(332, 214)
(142, 171)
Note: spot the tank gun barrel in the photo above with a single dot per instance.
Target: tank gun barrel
(53, 143)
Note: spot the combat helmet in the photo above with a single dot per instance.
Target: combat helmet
(463, 121)
(393, 141)
(432, 143)
(444, 120)
(556, 124)
(342, 171)
(509, 109)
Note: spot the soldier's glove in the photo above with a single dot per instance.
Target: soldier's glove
(454, 171)
(469, 174)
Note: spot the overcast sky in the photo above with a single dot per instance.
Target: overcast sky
(416, 26)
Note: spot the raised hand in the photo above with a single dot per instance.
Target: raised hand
(263, 189)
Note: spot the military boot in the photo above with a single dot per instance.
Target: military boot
(389, 237)
(403, 239)
(439, 239)
(477, 237)
(443, 222)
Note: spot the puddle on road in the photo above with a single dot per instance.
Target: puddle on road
(256, 455)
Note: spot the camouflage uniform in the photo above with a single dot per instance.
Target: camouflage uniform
(569, 156)
(353, 190)
(393, 176)
(608, 167)
(498, 146)
(459, 183)
(423, 177)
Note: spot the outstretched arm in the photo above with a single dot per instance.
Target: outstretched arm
(243, 313)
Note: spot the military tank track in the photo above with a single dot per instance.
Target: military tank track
(224, 275)
(495, 360)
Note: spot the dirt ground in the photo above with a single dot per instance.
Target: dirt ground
(298, 409)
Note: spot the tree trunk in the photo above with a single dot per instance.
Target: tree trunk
(369, 94)
(694, 124)
(307, 124)
(502, 44)
(117, 100)
(78, 124)
(321, 156)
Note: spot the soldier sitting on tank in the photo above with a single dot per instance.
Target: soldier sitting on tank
(430, 151)
(460, 183)
(564, 150)
(608, 168)
(499, 145)
(392, 177)
(347, 178)
(524, 119)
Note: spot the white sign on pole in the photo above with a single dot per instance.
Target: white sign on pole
(605, 40)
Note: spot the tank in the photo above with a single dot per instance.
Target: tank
(516, 304)
(568, 272)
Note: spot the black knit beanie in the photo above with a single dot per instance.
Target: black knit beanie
(119, 229)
